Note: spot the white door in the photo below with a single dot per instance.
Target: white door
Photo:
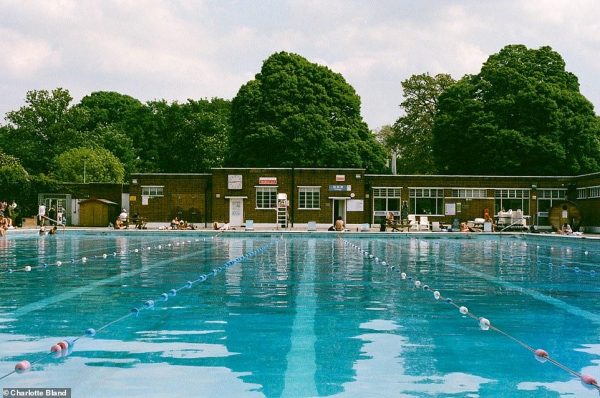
(236, 212)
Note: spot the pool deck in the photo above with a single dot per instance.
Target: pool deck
(302, 228)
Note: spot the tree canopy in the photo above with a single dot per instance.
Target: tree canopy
(522, 114)
(43, 128)
(88, 165)
(411, 136)
(297, 113)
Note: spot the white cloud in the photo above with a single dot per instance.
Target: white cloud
(23, 56)
(195, 49)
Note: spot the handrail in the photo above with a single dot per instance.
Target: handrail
(56, 221)
(520, 220)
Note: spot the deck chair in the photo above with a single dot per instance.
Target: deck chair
(312, 226)
(487, 226)
(249, 225)
(435, 226)
(365, 227)
(424, 223)
(412, 222)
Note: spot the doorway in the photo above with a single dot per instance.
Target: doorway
(236, 212)
(339, 210)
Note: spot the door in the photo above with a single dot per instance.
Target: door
(339, 209)
(236, 212)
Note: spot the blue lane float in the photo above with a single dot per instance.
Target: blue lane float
(484, 323)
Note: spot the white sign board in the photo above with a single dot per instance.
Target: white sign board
(450, 209)
(234, 181)
(355, 205)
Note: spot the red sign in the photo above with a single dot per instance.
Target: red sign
(267, 180)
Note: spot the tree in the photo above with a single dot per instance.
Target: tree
(42, 129)
(196, 132)
(411, 137)
(126, 127)
(88, 165)
(522, 114)
(296, 113)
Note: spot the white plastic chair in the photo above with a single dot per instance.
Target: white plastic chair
(435, 226)
(249, 225)
(312, 226)
(412, 221)
(424, 223)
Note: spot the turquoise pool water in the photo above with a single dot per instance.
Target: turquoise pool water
(299, 315)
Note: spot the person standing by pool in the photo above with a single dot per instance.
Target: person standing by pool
(3, 225)
(42, 214)
(404, 213)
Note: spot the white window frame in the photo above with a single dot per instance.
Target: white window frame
(581, 193)
(386, 193)
(593, 192)
(261, 191)
(469, 193)
(437, 193)
(153, 191)
(309, 195)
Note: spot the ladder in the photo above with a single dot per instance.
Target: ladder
(282, 217)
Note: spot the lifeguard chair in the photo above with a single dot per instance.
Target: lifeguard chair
(282, 210)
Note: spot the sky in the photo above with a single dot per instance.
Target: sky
(177, 50)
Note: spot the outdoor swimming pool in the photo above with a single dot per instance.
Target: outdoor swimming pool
(299, 315)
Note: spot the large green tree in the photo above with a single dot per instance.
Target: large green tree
(43, 128)
(297, 113)
(126, 127)
(522, 114)
(196, 134)
(411, 136)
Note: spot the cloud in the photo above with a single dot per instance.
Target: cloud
(176, 50)
(23, 56)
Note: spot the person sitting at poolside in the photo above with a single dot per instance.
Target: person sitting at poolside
(464, 227)
(339, 224)
(124, 217)
(390, 218)
(566, 229)
(175, 223)
(119, 224)
(225, 227)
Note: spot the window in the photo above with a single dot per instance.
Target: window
(385, 200)
(594, 192)
(548, 198)
(266, 197)
(309, 198)
(581, 193)
(427, 201)
(152, 191)
(469, 193)
(515, 199)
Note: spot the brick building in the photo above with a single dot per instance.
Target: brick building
(235, 195)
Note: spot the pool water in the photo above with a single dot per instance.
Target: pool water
(304, 315)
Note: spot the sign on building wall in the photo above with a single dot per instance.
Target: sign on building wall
(355, 205)
(234, 181)
(450, 209)
(340, 188)
(267, 180)
(340, 178)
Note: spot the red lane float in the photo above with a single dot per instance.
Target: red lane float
(22, 366)
(587, 379)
